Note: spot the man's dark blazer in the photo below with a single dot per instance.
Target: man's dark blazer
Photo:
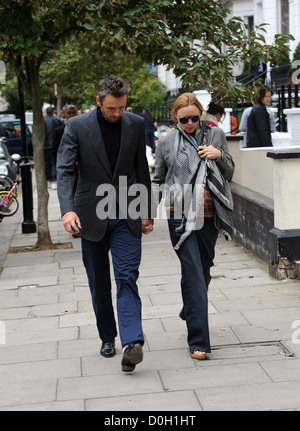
(83, 165)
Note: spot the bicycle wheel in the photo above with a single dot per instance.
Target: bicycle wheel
(9, 207)
(6, 183)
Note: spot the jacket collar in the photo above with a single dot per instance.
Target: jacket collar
(96, 139)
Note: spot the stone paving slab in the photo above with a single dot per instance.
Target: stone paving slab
(162, 402)
(51, 361)
(57, 368)
(105, 385)
(253, 397)
(27, 391)
(217, 376)
(74, 405)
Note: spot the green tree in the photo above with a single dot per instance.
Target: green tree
(78, 65)
(296, 55)
(189, 36)
(31, 29)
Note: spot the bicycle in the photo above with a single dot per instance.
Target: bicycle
(6, 183)
(9, 203)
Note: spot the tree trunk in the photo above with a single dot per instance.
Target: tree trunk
(59, 101)
(44, 239)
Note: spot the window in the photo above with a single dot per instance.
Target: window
(250, 23)
(285, 17)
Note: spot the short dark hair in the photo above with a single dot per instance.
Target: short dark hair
(50, 110)
(262, 92)
(113, 85)
(215, 108)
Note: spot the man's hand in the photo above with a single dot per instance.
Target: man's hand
(147, 226)
(71, 222)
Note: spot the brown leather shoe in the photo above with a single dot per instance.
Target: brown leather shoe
(133, 354)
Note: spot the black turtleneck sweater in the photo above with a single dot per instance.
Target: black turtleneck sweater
(111, 133)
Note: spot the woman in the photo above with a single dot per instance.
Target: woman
(150, 126)
(214, 114)
(193, 155)
(258, 127)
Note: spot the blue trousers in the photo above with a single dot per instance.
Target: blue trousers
(196, 256)
(126, 256)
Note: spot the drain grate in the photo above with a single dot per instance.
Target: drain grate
(251, 350)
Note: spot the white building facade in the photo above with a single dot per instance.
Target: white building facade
(283, 17)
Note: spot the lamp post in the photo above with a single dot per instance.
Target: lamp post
(28, 224)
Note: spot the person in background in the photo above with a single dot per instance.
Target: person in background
(69, 112)
(259, 122)
(234, 127)
(214, 114)
(259, 71)
(244, 123)
(50, 124)
(150, 126)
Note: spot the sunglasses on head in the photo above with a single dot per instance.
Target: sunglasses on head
(184, 120)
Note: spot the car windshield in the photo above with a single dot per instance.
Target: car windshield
(12, 129)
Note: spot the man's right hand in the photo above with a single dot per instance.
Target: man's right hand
(71, 222)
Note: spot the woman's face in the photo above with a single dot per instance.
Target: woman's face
(188, 111)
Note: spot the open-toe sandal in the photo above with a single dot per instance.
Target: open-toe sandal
(197, 354)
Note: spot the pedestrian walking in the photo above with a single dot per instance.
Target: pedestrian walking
(244, 123)
(70, 111)
(150, 126)
(50, 124)
(214, 114)
(258, 125)
(189, 162)
(108, 144)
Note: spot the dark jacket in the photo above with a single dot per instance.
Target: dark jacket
(82, 147)
(50, 124)
(258, 128)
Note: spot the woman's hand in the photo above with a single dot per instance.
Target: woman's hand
(147, 226)
(209, 152)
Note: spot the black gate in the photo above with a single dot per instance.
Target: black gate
(288, 97)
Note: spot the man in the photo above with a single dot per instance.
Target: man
(50, 124)
(258, 127)
(70, 111)
(259, 71)
(108, 145)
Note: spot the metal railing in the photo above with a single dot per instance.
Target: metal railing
(288, 97)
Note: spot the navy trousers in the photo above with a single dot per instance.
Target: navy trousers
(196, 256)
(126, 256)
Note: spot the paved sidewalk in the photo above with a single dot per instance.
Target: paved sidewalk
(50, 359)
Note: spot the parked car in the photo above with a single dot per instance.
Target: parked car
(29, 120)
(8, 163)
(10, 129)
